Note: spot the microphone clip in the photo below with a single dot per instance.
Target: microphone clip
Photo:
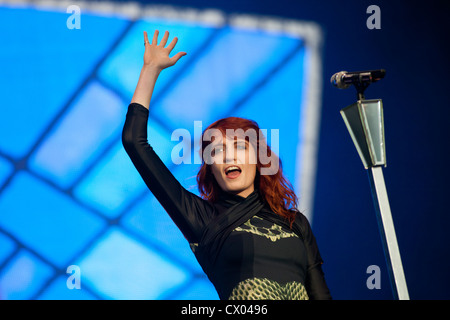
(365, 79)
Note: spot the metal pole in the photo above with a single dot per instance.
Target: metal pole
(364, 121)
(387, 231)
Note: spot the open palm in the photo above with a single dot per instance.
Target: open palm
(157, 55)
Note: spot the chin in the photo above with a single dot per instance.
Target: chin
(237, 190)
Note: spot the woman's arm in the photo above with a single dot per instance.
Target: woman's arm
(189, 212)
(315, 283)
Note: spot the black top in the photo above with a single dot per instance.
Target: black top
(246, 250)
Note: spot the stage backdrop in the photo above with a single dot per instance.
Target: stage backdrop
(76, 220)
(69, 196)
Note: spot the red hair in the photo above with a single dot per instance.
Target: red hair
(275, 190)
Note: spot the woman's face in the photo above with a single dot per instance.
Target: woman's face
(234, 165)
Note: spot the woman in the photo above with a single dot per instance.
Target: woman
(245, 231)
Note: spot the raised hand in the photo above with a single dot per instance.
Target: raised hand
(157, 55)
(156, 58)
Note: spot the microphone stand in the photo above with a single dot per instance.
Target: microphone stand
(365, 123)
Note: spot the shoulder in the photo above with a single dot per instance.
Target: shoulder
(302, 221)
(302, 224)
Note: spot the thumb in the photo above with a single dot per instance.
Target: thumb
(177, 57)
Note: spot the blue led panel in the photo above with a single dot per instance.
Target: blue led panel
(160, 140)
(119, 267)
(151, 221)
(46, 220)
(230, 67)
(114, 181)
(186, 174)
(201, 289)
(69, 194)
(61, 61)
(281, 101)
(23, 276)
(58, 291)
(6, 168)
(121, 69)
(95, 120)
(7, 246)
(111, 184)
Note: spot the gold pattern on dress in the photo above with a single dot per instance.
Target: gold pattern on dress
(193, 246)
(266, 289)
(274, 233)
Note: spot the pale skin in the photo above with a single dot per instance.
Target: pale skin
(233, 153)
(156, 59)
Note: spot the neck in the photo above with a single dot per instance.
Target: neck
(245, 193)
(239, 195)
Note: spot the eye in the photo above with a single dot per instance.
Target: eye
(241, 146)
(216, 151)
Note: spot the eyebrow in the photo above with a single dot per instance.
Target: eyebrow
(235, 142)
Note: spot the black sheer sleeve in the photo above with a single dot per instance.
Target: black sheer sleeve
(315, 280)
(189, 212)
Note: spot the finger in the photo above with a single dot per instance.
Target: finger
(177, 57)
(145, 37)
(172, 44)
(155, 37)
(164, 39)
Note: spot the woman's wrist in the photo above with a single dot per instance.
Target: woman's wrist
(146, 84)
(149, 70)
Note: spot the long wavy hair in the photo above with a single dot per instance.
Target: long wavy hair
(275, 190)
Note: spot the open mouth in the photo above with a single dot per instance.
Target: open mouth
(232, 172)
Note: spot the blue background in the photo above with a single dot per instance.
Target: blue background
(70, 195)
(87, 205)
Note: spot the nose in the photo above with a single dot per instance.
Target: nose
(230, 154)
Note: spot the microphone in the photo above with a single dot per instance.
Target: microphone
(345, 79)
